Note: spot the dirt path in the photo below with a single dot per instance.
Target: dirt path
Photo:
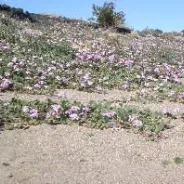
(112, 95)
(71, 94)
(61, 154)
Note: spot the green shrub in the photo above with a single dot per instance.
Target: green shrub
(158, 31)
(106, 15)
(147, 31)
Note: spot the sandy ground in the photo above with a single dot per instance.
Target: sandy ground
(62, 154)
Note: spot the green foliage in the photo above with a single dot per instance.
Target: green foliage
(40, 47)
(178, 160)
(8, 31)
(159, 31)
(94, 118)
(154, 32)
(106, 15)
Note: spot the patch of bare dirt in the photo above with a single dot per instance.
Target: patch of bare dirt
(69, 154)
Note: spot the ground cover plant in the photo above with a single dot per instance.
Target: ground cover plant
(21, 114)
(36, 60)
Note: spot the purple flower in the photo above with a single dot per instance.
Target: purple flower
(126, 85)
(83, 84)
(33, 113)
(4, 46)
(156, 70)
(172, 111)
(5, 84)
(53, 114)
(137, 123)
(176, 79)
(72, 109)
(86, 76)
(37, 86)
(112, 58)
(90, 82)
(81, 56)
(42, 77)
(55, 111)
(74, 116)
(89, 57)
(78, 71)
(98, 57)
(133, 119)
(85, 109)
(41, 82)
(109, 114)
(128, 63)
(56, 107)
(172, 93)
(182, 95)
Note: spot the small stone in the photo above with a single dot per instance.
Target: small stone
(5, 164)
(10, 175)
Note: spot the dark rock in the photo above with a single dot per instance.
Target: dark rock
(125, 30)
(5, 164)
(4, 7)
(17, 13)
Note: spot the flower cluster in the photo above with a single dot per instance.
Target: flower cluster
(30, 111)
(134, 120)
(109, 115)
(54, 112)
(4, 46)
(89, 56)
(5, 84)
(173, 111)
(73, 112)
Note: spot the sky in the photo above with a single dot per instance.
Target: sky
(167, 15)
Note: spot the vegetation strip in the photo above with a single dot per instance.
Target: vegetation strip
(169, 109)
(20, 114)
